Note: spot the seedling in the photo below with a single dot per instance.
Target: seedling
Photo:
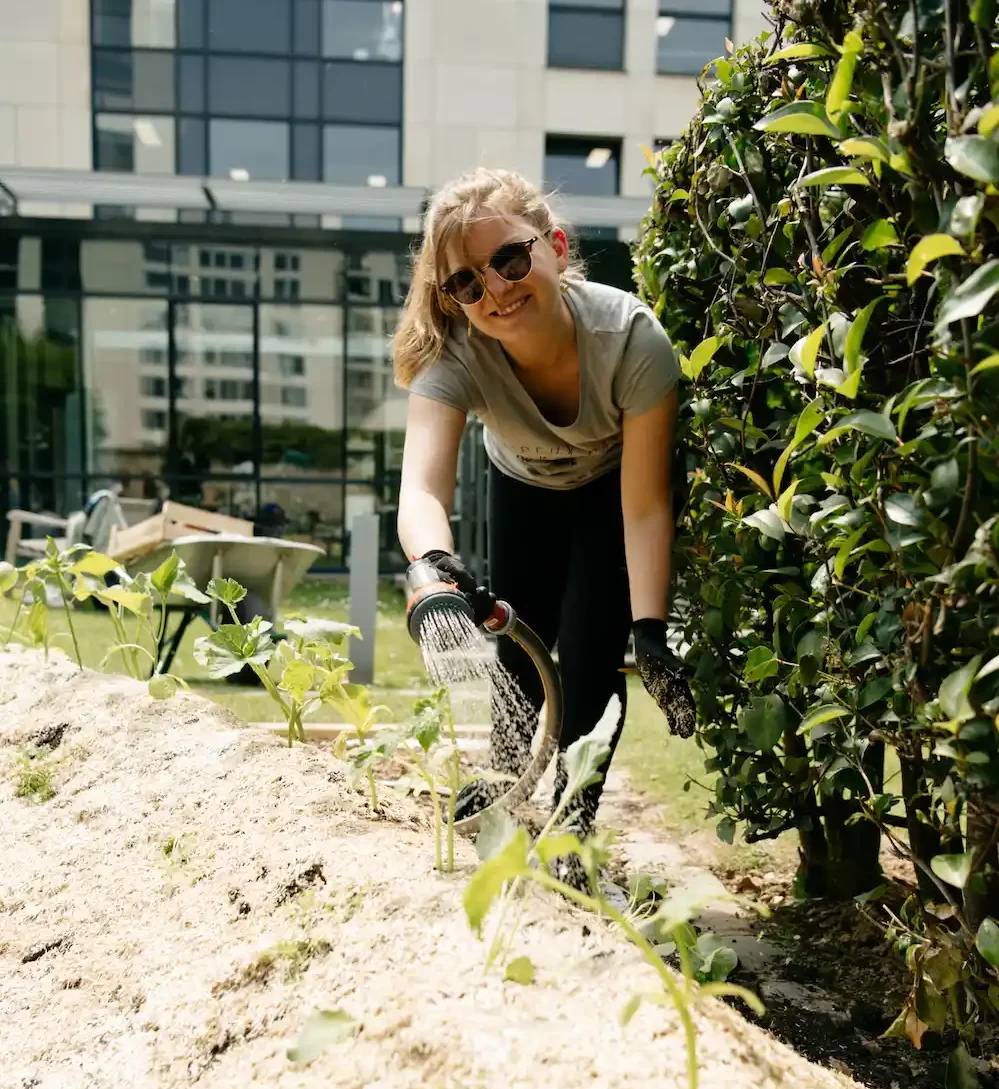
(33, 781)
(513, 862)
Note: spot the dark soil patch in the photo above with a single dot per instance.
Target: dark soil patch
(837, 988)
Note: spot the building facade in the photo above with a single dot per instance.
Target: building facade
(207, 209)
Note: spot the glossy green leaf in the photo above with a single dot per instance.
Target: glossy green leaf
(870, 423)
(969, 298)
(954, 689)
(322, 1030)
(801, 51)
(702, 355)
(784, 502)
(880, 234)
(768, 523)
(954, 869)
(764, 721)
(929, 249)
(855, 336)
(755, 477)
(988, 364)
(865, 147)
(839, 87)
(988, 121)
(775, 276)
(802, 118)
(834, 175)
(974, 156)
(164, 576)
(132, 601)
(987, 941)
(760, 664)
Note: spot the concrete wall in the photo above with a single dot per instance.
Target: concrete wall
(45, 118)
(478, 90)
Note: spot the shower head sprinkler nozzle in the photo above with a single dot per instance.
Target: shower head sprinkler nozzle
(427, 592)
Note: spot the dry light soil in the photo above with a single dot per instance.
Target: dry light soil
(193, 891)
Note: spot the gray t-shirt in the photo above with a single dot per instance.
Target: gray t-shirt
(626, 365)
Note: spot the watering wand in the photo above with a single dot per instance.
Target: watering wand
(428, 594)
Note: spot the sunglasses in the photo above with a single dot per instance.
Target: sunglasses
(511, 262)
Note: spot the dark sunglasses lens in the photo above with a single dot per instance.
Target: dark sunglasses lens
(513, 263)
(464, 287)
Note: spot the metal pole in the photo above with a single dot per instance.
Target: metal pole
(363, 594)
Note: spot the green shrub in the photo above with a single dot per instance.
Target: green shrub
(823, 250)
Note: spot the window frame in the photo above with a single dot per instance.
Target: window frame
(574, 8)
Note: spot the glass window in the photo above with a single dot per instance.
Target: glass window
(377, 276)
(362, 92)
(585, 38)
(140, 145)
(191, 83)
(317, 273)
(191, 24)
(39, 365)
(249, 87)
(305, 152)
(306, 89)
(362, 30)
(125, 347)
(133, 22)
(133, 81)
(584, 165)
(208, 442)
(356, 155)
(307, 27)
(191, 147)
(249, 26)
(248, 149)
(684, 45)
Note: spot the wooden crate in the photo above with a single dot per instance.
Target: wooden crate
(174, 520)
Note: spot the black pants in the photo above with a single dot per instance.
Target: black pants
(558, 558)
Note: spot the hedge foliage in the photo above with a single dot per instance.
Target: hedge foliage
(823, 249)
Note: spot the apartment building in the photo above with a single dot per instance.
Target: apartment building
(207, 206)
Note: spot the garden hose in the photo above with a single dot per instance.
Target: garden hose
(428, 592)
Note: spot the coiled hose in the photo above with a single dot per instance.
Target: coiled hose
(429, 593)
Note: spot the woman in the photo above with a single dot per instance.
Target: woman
(575, 384)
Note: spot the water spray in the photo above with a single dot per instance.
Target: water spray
(430, 595)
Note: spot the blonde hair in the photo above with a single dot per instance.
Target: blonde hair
(428, 313)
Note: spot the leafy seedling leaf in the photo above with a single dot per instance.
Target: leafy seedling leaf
(162, 686)
(8, 576)
(585, 757)
(233, 646)
(227, 591)
(492, 875)
(520, 970)
(316, 630)
(94, 563)
(297, 678)
(165, 575)
(322, 1030)
(496, 829)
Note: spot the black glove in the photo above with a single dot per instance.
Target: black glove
(483, 602)
(662, 674)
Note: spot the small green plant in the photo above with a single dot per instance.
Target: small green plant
(513, 864)
(32, 780)
(430, 746)
(313, 668)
